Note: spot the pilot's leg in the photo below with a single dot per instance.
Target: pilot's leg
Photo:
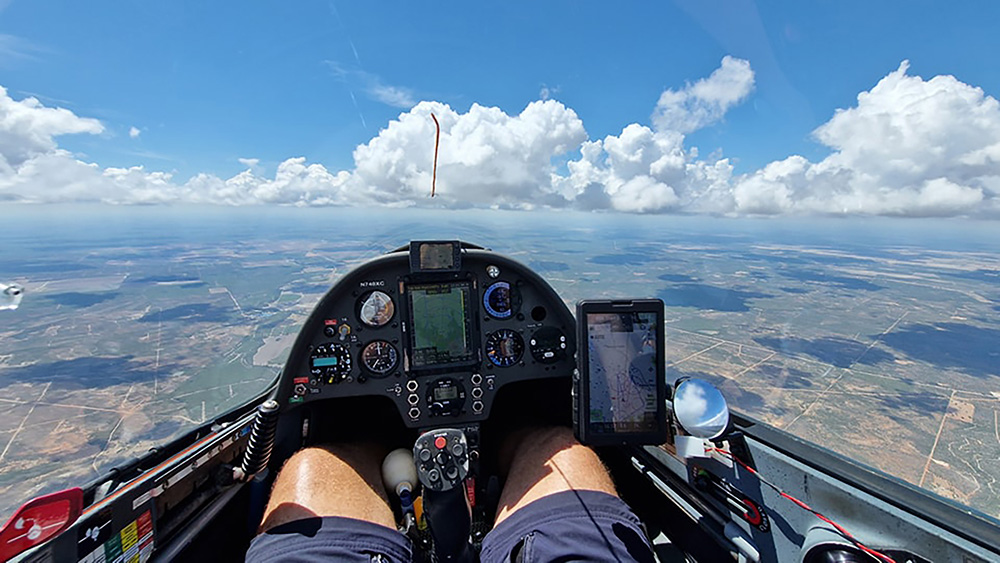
(545, 461)
(335, 480)
(559, 503)
(329, 503)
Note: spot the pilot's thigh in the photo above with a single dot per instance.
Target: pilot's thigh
(330, 538)
(570, 525)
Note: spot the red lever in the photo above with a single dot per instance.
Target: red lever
(39, 520)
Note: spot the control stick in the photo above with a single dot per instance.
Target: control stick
(442, 459)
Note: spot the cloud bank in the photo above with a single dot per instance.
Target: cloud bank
(909, 147)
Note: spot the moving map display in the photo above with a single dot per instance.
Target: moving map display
(622, 355)
(440, 318)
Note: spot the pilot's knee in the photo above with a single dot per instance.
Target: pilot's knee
(305, 455)
(579, 465)
(544, 445)
(549, 439)
(318, 460)
(306, 458)
(558, 435)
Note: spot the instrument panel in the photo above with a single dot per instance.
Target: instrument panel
(439, 343)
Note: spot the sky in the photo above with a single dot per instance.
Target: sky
(708, 106)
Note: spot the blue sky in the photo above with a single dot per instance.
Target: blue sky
(208, 83)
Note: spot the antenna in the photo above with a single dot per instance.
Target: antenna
(437, 141)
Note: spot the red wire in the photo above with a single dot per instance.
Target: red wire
(877, 555)
(437, 140)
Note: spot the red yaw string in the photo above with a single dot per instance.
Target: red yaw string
(437, 141)
(877, 555)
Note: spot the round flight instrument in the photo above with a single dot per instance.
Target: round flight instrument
(504, 347)
(548, 345)
(379, 357)
(376, 309)
(500, 300)
(331, 363)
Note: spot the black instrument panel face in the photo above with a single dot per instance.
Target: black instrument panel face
(438, 344)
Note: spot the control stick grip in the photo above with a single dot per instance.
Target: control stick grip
(442, 458)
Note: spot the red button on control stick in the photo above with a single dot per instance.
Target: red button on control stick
(440, 442)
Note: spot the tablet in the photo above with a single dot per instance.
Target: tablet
(620, 382)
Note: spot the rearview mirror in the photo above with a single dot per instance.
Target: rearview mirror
(700, 408)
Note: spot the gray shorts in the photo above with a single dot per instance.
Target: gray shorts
(566, 526)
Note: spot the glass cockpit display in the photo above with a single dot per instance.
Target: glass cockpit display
(622, 369)
(440, 331)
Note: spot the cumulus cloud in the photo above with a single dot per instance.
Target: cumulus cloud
(909, 147)
(33, 169)
(647, 170)
(643, 171)
(707, 100)
(134, 132)
(486, 156)
(28, 129)
(295, 182)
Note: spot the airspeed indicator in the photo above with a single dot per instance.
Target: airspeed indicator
(379, 357)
